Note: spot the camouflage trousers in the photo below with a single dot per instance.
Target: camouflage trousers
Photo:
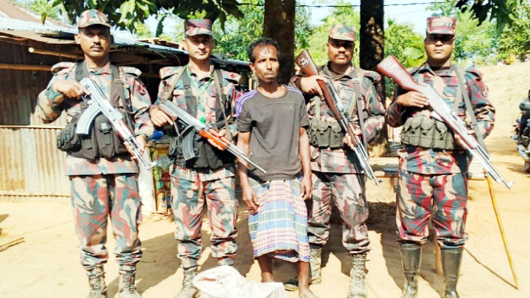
(190, 198)
(346, 191)
(95, 198)
(441, 197)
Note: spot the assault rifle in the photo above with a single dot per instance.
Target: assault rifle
(391, 67)
(204, 130)
(334, 102)
(98, 103)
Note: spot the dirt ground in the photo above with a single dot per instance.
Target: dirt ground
(47, 263)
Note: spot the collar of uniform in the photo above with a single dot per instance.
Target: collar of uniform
(335, 76)
(442, 72)
(101, 70)
(207, 77)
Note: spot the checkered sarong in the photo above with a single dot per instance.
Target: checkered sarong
(279, 228)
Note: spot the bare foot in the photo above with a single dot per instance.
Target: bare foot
(306, 293)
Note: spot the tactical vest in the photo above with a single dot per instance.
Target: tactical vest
(203, 155)
(327, 134)
(425, 132)
(102, 140)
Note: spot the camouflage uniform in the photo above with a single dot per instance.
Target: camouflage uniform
(433, 182)
(335, 174)
(193, 189)
(102, 187)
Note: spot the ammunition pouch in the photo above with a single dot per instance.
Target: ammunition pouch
(101, 141)
(67, 140)
(194, 151)
(427, 133)
(323, 134)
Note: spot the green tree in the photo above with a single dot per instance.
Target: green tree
(126, 14)
(516, 36)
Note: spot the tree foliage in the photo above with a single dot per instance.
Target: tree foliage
(125, 14)
(500, 10)
(516, 36)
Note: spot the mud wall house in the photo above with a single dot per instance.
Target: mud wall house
(31, 167)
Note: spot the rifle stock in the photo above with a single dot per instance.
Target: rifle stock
(391, 68)
(306, 64)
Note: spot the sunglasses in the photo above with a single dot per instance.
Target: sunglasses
(440, 37)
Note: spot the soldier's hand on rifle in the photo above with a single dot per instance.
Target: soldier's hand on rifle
(159, 118)
(219, 134)
(413, 99)
(141, 142)
(459, 139)
(71, 89)
(309, 85)
(348, 141)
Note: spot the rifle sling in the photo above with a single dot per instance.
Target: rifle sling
(469, 108)
(359, 98)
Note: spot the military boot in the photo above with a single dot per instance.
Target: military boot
(188, 289)
(411, 262)
(315, 271)
(96, 280)
(357, 277)
(127, 288)
(451, 260)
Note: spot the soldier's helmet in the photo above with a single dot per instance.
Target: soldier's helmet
(441, 25)
(92, 17)
(194, 27)
(342, 32)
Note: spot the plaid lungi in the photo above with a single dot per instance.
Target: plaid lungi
(279, 228)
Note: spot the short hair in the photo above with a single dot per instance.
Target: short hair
(264, 41)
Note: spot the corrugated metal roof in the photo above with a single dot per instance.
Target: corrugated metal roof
(56, 35)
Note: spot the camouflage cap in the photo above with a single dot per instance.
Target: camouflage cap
(92, 17)
(342, 32)
(441, 25)
(198, 27)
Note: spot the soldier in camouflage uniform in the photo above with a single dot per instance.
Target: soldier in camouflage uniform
(208, 180)
(102, 187)
(433, 165)
(335, 170)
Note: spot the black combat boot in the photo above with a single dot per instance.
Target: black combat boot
(96, 280)
(188, 289)
(126, 284)
(451, 260)
(315, 271)
(358, 276)
(411, 262)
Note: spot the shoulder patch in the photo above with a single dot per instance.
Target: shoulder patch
(131, 71)
(473, 73)
(166, 72)
(231, 76)
(63, 66)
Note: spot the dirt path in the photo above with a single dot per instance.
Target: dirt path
(47, 263)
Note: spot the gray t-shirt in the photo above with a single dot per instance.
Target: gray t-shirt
(274, 124)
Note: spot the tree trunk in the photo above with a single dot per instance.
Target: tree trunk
(371, 53)
(372, 33)
(279, 25)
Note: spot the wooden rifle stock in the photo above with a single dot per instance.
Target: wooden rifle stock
(391, 68)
